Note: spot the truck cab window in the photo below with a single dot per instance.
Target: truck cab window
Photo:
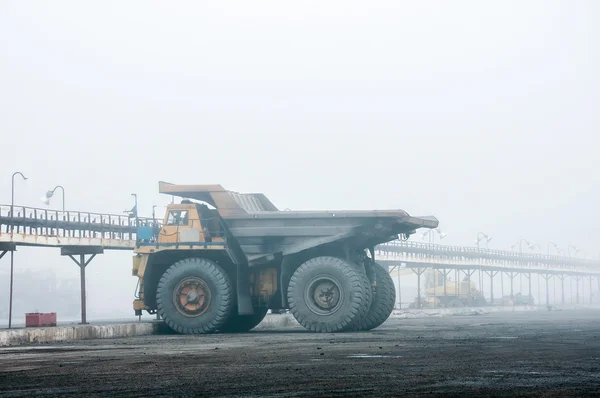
(178, 217)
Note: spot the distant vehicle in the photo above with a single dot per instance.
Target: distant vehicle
(441, 292)
(221, 268)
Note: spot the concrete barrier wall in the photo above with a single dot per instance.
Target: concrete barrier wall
(11, 337)
(79, 332)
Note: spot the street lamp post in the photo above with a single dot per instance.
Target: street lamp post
(49, 194)
(12, 197)
(556, 247)
(155, 229)
(574, 248)
(135, 209)
(441, 234)
(12, 252)
(481, 236)
(520, 243)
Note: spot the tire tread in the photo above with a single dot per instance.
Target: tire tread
(383, 301)
(356, 284)
(224, 289)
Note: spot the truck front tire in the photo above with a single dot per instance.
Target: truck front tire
(195, 296)
(327, 294)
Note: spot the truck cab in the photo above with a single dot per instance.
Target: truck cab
(189, 222)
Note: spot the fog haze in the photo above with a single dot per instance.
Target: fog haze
(484, 114)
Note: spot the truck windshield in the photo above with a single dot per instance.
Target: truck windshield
(177, 217)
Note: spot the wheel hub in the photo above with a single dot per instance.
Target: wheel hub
(323, 295)
(192, 296)
(326, 295)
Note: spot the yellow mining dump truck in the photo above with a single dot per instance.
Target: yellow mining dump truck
(220, 259)
(456, 294)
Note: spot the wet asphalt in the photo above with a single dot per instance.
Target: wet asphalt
(546, 353)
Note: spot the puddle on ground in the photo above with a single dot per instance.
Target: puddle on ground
(519, 372)
(373, 356)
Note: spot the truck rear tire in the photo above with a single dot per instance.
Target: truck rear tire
(384, 298)
(369, 292)
(244, 323)
(326, 294)
(194, 296)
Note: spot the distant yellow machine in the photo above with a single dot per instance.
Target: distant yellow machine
(454, 294)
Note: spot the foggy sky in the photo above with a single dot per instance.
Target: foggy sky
(484, 114)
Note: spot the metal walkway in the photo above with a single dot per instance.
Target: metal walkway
(55, 228)
(77, 234)
(421, 255)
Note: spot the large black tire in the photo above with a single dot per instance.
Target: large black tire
(384, 298)
(194, 296)
(326, 294)
(243, 323)
(369, 292)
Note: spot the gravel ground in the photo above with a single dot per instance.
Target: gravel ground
(500, 354)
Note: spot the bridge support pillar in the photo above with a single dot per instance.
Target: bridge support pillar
(547, 277)
(446, 273)
(469, 273)
(82, 262)
(577, 279)
(591, 295)
(419, 271)
(539, 290)
(502, 287)
(562, 288)
(445, 277)
(512, 275)
(491, 275)
(12, 248)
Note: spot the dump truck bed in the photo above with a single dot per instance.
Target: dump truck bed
(262, 231)
(268, 233)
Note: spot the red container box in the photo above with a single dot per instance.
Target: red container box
(35, 319)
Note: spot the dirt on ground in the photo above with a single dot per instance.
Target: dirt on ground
(504, 354)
